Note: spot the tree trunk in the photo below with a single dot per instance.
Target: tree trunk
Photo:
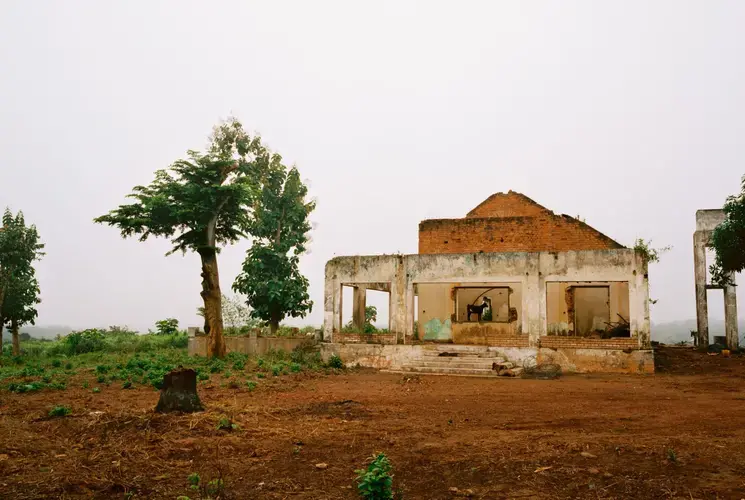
(2, 330)
(212, 298)
(179, 392)
(16, 340)
(274, 323)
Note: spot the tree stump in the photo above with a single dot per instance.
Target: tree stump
(179, 392)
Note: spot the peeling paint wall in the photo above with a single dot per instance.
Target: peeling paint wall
(532, 270)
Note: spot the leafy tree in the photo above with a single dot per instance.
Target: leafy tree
(201, 203)
(19, 288)
(728, 240)
(166, 326)
(271, 279)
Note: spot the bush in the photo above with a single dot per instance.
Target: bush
(335, 362)
(91, 340)
(376, 482)
(166, 326)
(60, 411)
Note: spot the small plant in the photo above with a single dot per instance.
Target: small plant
(46, 379)
(100, 379)
(233, 384)
(251, 385)
(239, 365)
(672, 456)
(194, 480)
(217, 366)
(276, 370)
(85, 384)
(227, 374)
(103, 369)
(127, 384)
(56, 363)
(203, 376)
(260, 375)
(649, 254)
(225, 424)
(68, 366)
(96, 390)
(295, 367)
(60, 411)
(376, 482)
(335, 362)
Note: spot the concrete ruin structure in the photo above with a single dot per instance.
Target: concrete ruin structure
(558, 292)
(706, 222)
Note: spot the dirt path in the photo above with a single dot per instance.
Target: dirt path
(662, 436)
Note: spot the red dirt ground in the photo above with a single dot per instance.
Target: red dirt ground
(677, 434)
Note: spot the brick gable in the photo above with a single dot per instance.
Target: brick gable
(510, 222)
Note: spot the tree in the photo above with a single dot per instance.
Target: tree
(166, 327)
(270, 279)
(728, 240)
(201, 203)
(19, 288)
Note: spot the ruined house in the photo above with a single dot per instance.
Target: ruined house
(511, 280)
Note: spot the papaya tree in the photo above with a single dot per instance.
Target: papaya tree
(19, 289)
(201, 203)
(270, 277)
(728, 240)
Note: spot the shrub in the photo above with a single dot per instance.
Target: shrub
(127, 384)
(376, 482)
(295, 367)
(203, 376)
(166, 326)
(96, 390)
(251, 385)
(56, 363)
(335, 362)
(91, 340)
(225, 424)
(60, 411)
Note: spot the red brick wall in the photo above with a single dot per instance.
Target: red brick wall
(508, 205)
(546, 233)
(585, 343)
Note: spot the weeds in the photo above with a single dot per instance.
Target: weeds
(335, 362)
(60, 411)
(672, 456)
(376, 482)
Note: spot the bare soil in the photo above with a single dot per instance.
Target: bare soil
(677, 434)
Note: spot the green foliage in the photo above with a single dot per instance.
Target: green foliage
(19, 288)
(90, 340)
(271, 279)
(376, 482)
(647, 252)
(335, 362)
(96, 390)
(127, 385)
(60, 411)
(728, 240)
(371, 316)
(167, 327)
(671, 455)
(225, 424)
(251, 385)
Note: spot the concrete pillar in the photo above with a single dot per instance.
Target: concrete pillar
(359, 303)
(398, 300)
(532, 298)
(410, 312)
(730, 315)
(702, 309)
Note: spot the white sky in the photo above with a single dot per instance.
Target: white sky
(630, 114)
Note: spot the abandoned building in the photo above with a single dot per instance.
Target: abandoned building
(512, 282)
(706, 221)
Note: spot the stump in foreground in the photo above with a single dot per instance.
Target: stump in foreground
(179, 392)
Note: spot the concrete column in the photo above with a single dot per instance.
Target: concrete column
(398, 300)
(730, 315)
(330, 319)
(702, 309)
(532, 301)
(410, 313)
(359, 303)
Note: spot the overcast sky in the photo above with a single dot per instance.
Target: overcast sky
(630, 114)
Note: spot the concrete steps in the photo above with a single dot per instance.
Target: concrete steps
(449, 359)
